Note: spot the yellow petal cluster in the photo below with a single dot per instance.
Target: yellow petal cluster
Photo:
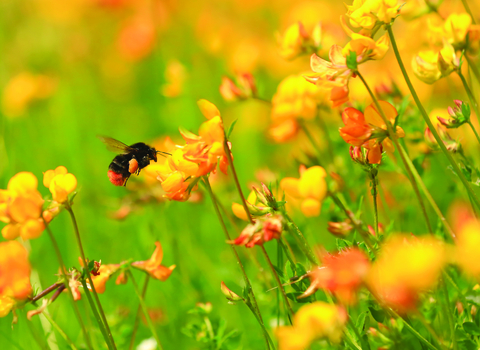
(60, 183)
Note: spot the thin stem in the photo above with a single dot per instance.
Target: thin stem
(237, 183)
(467, 8)
(374, 179)
(460, 294)
(59, 330)
(449, 315)
(412, 330)
(474, 131)
(144, 309)
(324, 127)
(287, 253)
(265, 332)
(64, 273)
(85, 264)
(312, 141)
(46, 291)
(430, 329)
(392, 135)
(428, 121)
(473, 67)
(472, 98)
(302, 240)
(137, 316)
(280, 286)
(95, 313)
(239, 262)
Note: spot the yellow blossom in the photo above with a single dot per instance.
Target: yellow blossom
(60, 183)
(6, 305)
(297, 41)
(366, 13)
(431, 65)
(467, 248)
(456, 28)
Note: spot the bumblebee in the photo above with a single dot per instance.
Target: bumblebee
(130, 161)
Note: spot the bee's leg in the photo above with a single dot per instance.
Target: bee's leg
(125, 183)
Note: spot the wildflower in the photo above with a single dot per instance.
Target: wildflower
(243, 88)
(367, 13)
(313, 321)
(431, 65)
(460, 115)
(456, 28)
(467, 247)
(406, 266)
(175, 76)
(153, 266)
(231, 296)
(451, 145)
(60, 183)
(310, 188)
(369, 130)
(137, 38)
(340, 229)
(103, 274)
(253, 205)
(263, 230)
(21, 207)
(341, 274)
(296, 41)
(6, 305)
(14, 271)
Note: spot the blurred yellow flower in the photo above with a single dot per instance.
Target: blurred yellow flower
(366, 13)
(175, 76)
(6, 305)
(241, 89)
(60, 183)
(296, 41)
(456, 28)
(24, 89)
(21, 207)
(310, 188)
(467, 248)
(406, 266)
(313, 321)
(14, 271)
(431, 65)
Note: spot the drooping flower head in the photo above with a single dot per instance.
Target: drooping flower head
(153, 265)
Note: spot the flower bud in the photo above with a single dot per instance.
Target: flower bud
(340, 229)
(231, 296)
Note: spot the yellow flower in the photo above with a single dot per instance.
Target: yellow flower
(467, 248)
(60, 183)
(366, 13)
(6, 305)
(431, 65)
(297, 41)
(313, 321)
(14, 270)
(456, 28)
(406, 266)
(310, 188)
(21, 207)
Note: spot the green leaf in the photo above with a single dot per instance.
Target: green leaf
(378, 315)
(466, 110)
(343, 244)
(471, 328)
(361, 321)
(230, 129)
(352, 60)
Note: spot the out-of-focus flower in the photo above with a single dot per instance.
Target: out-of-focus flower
(460, 115)
(467, 247)
(153, 265)
(431, 65)
(369, 130)
(310, 188)
(23, 90)
(313, 321)
(242, 88)
(137, 38)
(103, 275)
(14, 271)
(60, 183)
(340, 229)
(295, 99)
(175, 76)
(406, 267)
(451, 144)
(6, 305)
(263, 230)
(231, 296)
(255, 207)
(21, 207)
(296, 41)
(341, 274)
(456, 28)
(367, 13)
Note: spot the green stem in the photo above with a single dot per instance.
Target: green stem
(430, 329)
(64, 273)
(460, 294)
(412, 330)
(474, 131)
(228, 152)
(312, 141)
(473, 100)
(302, 240)
(427, 120)
(137, 316)
(392, 135)
(227, 235)
(287, 253)
(473, 67)
(467, 8)
(279, 283)
(265, 332)
(85, 264)
(451, 323)
(374, 179)
(95, 313)
(324, 127)
(59, 330)
(40, 342)
(355, 330)
(144, 308)
(358, 225)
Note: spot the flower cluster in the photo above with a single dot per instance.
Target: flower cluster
(297, 41)
(243, 88)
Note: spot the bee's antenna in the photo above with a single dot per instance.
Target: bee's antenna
(164, 153)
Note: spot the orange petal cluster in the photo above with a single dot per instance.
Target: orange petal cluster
(153, 265)
(21, 207)
(263, 230)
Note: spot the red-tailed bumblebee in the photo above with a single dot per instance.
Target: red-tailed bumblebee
(130, 161)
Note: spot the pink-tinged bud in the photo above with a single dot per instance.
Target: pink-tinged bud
(206, 307)
(266, 190)
(459, 103)
(230, 91)
(459, 307)
(357, 155)
(247, 82)
(450, 111)
(430, 139)
(445, 122)
(340, 229)
(373, 331)
(260, 196)
(231, 296)
(272, 228)
(338, 184)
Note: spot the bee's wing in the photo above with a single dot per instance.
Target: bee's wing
(115, 145)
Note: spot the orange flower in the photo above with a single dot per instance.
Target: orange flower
(310, 188)
(6, 305)
(21, 207)
(467, 247)
(313, 321)
(342, 274)
(14, 271)
(263, 230)
(60, 183)
(153, 266)
(406, 266)
(137, 38)
(103, 275)
(242, 89)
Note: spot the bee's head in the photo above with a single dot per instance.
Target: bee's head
(153, 154)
